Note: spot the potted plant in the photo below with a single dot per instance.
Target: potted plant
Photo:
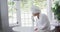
(56, 10)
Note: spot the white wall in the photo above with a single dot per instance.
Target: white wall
(4, 15)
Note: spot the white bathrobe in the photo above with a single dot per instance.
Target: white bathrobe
(43, 23)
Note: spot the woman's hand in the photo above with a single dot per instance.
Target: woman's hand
(36, 29)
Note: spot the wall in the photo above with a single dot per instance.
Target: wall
(0, 19)
(4, 15)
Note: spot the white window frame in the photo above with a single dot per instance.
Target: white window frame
(49, 11)
(18, 12)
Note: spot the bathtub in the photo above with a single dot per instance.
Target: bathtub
(23, 29)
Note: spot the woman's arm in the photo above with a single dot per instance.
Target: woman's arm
(43, 22)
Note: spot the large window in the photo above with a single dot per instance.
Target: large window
(12, 12)
(25, 5)
(26, 20)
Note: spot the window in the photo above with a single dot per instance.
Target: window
(26, 20)
(12, 12)
(25, 14)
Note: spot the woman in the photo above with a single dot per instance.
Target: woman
(42, 23)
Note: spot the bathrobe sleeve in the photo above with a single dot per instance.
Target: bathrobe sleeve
(43, 22)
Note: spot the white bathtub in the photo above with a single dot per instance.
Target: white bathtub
(23, 29)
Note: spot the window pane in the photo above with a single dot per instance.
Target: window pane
(12, 12)
(25, 13)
